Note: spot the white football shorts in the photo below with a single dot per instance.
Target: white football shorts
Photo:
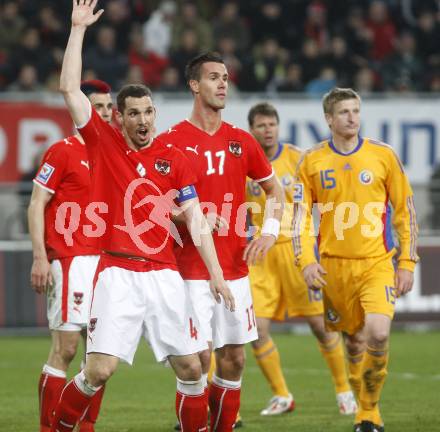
(128, 304)
(219, 325)
(68, 300)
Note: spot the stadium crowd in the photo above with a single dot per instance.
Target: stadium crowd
(269, 46)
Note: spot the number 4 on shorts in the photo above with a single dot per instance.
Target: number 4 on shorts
(192, 329)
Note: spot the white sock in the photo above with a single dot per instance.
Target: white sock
(225, 383)
(84, 385)
(49, 370)
(190, 388)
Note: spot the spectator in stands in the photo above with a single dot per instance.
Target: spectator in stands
(31, 51)
(11, 26)
(189, 48)
(171, 81)
(292, 82)
(27, 80)
(358, 36)
(428, 38)
(230, 24)
(49, 26)
(365, 81)
(323, 84)
(134, 75)
(310, 59)
(268, 23)
(315, 26)
(157, 30)
(189, 19)
(403, 70)
(227, 48)
(108, 63)
(382, 30)
(340, 60)
(152, 65)
(117, 16)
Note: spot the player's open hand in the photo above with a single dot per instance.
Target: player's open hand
(82, 13)
(313, 275)
(220, 289)
(257, 249)
(404, 281)
(41, 277)
(216, 222)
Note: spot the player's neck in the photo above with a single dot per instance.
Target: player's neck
(345, 145)
(206, 119)
(271, 151)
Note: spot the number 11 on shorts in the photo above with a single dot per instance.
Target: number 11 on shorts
(251, 317)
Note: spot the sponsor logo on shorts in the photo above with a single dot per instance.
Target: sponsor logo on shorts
(78, 298)
(366, 177)
(163, 166)
(45, 173)
(92, 324)
(235, 148)
(332, 316)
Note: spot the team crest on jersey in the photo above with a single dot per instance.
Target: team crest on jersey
(92, 324)
(332, 316)
(235, 148)
(366, 177)
(78, 297)
(45, 173)
(298, 192)
(163, 166)
(286, 180)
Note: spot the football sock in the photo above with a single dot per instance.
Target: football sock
(333, 353)
(75, 399)
(224, 403)
(192, 405)
(355, 370)
(374, 372)
(268, 358)
(50, 386)
(91, 415)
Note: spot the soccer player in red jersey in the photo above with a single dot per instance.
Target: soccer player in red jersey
(64, 271)
(223, 156)
(138, 291)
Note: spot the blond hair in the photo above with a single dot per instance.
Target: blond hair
(336, 95)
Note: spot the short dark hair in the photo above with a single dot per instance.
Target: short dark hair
(95, 86)
(131, 90)
(336, 95)
(263, 108)
(192, 69)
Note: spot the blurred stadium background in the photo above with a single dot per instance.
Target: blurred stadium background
(288, 52)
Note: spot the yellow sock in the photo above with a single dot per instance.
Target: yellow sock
(333, 353)
(354, 375)
(211, 367)
(268, 359)
(374, 372)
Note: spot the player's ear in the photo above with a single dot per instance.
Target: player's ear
(118, 117)
(194, 86)
(328, 119)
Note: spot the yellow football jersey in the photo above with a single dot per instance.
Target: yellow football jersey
(358, 195)
(284, 164)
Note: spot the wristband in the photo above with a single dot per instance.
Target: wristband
(271, 226)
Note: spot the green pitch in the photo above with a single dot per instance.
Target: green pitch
(141, 398)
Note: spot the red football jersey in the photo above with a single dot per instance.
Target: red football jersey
(139, 190)
(222, 162)
(64, 172)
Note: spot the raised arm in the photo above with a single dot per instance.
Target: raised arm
(40, 272)
(273, 213)
(70, 80)
(201, 235)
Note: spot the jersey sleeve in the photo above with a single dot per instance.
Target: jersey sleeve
(302, 236)
(404, 219)
(53, 165)
(91, 130)
(184, 176)
(259, 168)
